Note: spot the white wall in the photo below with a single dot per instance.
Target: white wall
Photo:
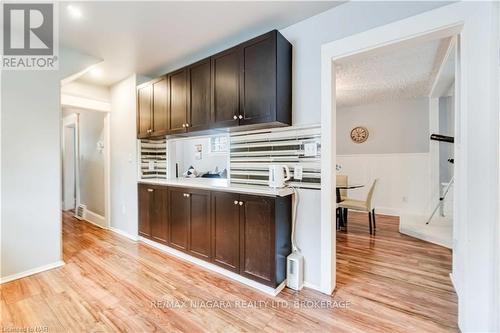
(91, 129)
(404, 181)
(399, 126)
(123, 168)
(31, 166)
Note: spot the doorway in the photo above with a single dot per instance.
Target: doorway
(85, 164)
(475, 207)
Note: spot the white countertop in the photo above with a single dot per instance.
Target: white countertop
(220, 184)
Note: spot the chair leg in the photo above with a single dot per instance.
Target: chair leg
(370, 221)
(373, 217)
(345, 217)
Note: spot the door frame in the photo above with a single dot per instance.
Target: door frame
(71, 121)
(473, 272)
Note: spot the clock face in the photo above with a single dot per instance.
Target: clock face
(359, 134)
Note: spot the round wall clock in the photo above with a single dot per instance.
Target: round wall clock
(359, 134)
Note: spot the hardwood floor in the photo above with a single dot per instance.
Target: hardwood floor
(391, 283)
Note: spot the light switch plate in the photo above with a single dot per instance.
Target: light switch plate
(297, 172)
(310, 149)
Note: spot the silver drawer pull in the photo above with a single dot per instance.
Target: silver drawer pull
(150, 190)
(186, 195)
(240, 116)
(235, 202)
(235, 117)
(240, 203)
(183, 125)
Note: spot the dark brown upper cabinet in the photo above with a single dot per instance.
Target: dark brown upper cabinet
(199, 96)
(178, 100)
(249, 84)
(266, 80)
(144, 110)
(160, 107)
(226, 88)
(152, 111)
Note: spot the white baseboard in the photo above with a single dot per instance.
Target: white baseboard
(312, 286)
(29, 272)
(95, 219)
(453, 283)
(124, 234)
(263, 288)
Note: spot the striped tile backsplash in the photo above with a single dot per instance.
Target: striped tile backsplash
(153, 155)
(252, 152)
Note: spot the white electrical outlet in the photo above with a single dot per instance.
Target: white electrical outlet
(297, 172)
(310, 149)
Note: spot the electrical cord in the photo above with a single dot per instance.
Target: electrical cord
(295, 248)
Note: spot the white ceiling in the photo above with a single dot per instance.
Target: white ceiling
(148, 37)
(394, 73)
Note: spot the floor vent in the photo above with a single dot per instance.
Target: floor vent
(81, 211)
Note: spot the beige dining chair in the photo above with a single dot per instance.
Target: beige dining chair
(363, 206)
(342, 180)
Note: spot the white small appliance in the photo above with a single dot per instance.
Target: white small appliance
(295, 271)
(278, 175)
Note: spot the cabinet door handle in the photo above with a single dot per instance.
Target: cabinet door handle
(183, 125)
(187, 125)
(240, 116)
(235, 202)
(240, 203)
(150, 190)
(186, 195)
(235, 117)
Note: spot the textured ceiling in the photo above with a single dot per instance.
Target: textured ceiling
(391, 74)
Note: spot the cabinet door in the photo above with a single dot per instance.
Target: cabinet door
(144, 198)
(258, 81)
(178, 100)
(144, 110)
(158, 214)
(178, 218)
(160, 114)
(257, 234)
(226, 87)
(226, 230)
(199, 226)
(199, 101)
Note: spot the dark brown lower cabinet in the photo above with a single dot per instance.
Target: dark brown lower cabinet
(144, 192)
(251, 235)
(158, 214)
(153, 212)
(226, 230)
(179, 218)
(199, 224)
(247, 234)
(257, 238)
